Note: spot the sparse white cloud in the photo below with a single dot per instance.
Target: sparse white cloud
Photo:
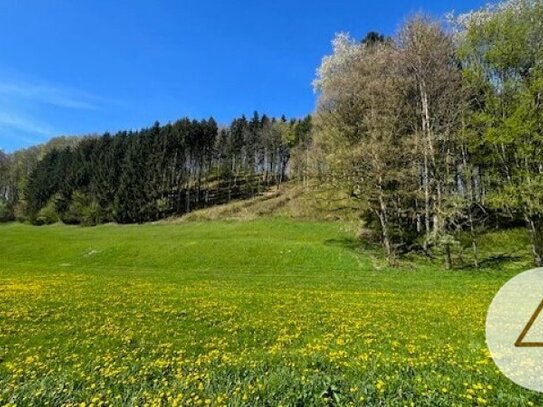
(48, 94)
(33, 109)
(24, 124)
(29, 107)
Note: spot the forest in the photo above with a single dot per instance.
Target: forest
(436, 133)
(151, 174)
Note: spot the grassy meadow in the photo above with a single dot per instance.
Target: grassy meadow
(261, 312)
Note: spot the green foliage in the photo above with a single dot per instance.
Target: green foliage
(465, 139)
(502, 50)
(83, 211)
(46, 215)
(385, 126)
(6, 214)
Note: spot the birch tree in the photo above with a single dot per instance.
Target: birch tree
(359, 130)
(434, 97)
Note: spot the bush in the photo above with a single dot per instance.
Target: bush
(83, 211)
(94, 214)
(47, 215)
(6, 214)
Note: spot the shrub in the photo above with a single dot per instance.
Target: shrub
(47, 215)
(6, 214)
(94, 214)
(83, 211)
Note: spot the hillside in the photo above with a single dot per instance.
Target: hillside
(289, 200)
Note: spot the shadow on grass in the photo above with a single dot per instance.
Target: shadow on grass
(354, 244)
(346, 242)
(418, 257)
(494, 261)
(350, 243)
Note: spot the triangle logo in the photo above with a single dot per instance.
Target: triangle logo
(521, 342)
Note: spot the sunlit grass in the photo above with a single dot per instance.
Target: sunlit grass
(265, 312)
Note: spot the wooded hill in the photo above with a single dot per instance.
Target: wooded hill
(436, 133)
(154, 173)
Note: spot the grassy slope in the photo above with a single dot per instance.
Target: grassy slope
(238, 313)
(289, 200)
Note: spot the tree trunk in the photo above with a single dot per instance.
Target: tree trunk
(448, 259)
(536, 228)
(383, 219)
(187, 200)
(427, 146)
(475, 252)
(426, 201)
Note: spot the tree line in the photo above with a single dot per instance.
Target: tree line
(14, 171)
(438, 131)
(146, 175)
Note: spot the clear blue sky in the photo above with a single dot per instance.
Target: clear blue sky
(74, 67)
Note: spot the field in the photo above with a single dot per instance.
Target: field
(261, 312)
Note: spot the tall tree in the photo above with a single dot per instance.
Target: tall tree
(359, 130)
(428, 61)
(502, 50)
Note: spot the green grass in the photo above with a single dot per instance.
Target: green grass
(263, 312)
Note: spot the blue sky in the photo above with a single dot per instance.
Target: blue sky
(79, 67)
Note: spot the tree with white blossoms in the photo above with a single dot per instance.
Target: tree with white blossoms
(437, 130)
(385, 122)
(359, 132)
